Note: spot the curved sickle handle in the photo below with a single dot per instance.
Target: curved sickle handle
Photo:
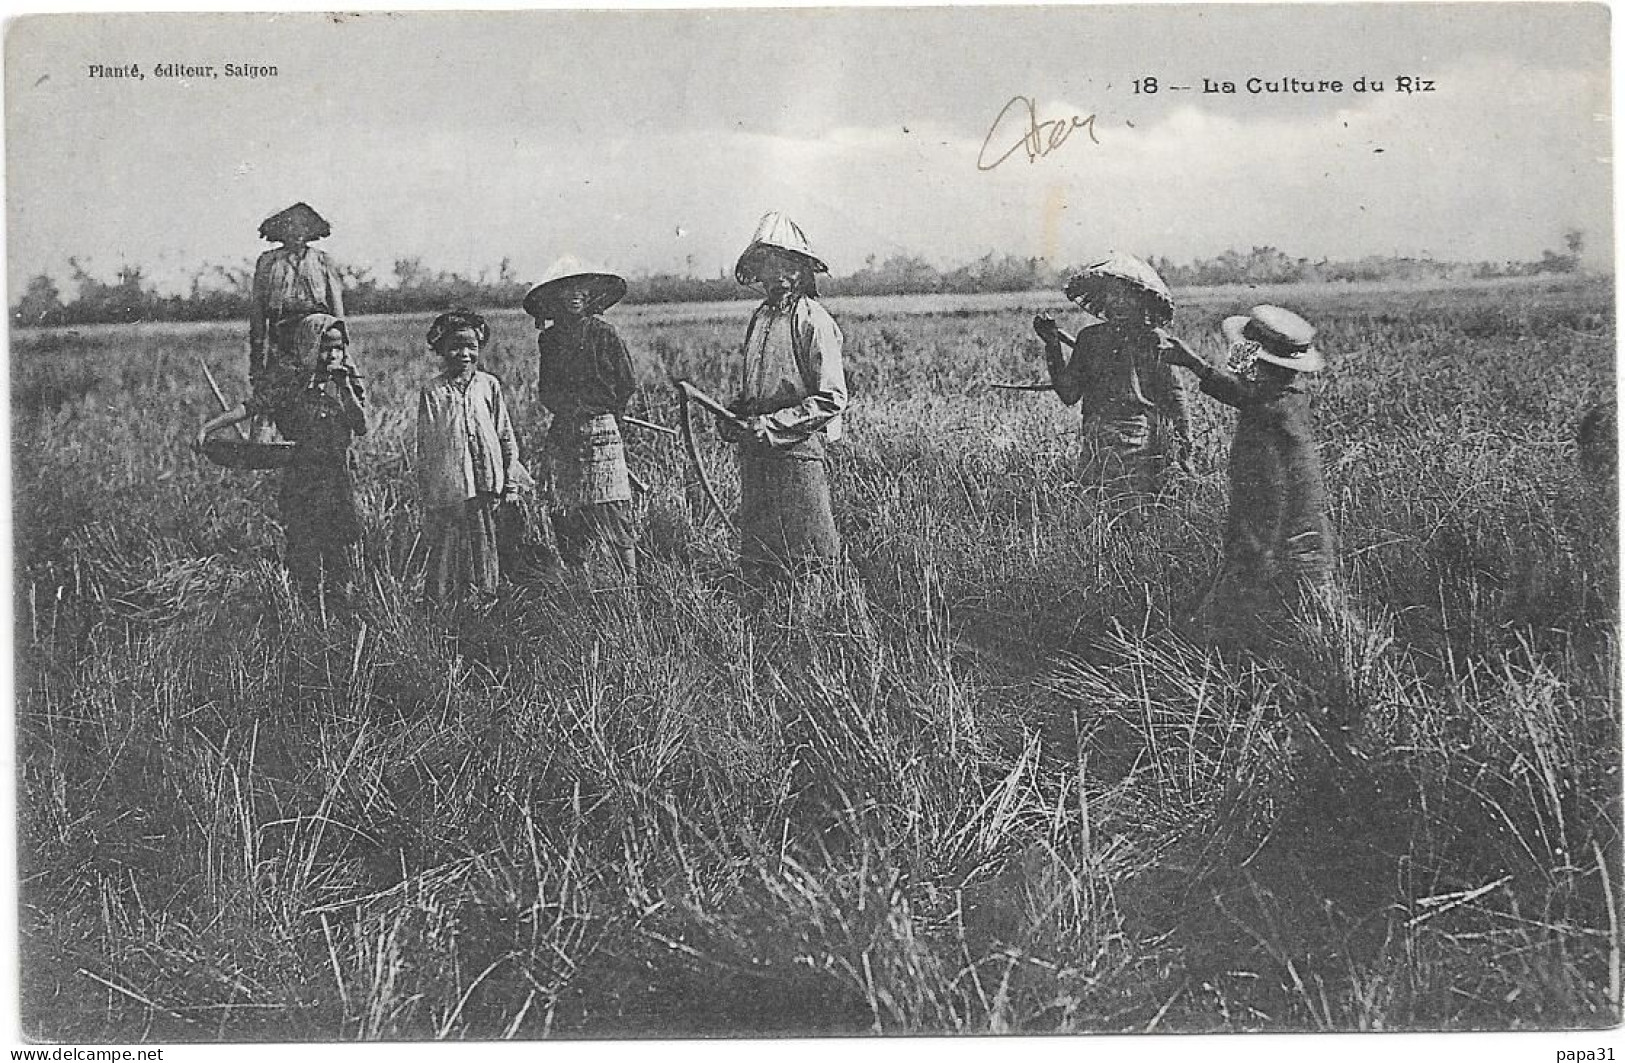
(686, 421)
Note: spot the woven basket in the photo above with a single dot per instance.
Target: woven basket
(243, 454)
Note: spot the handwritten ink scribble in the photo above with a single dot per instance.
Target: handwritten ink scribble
(1036, 138)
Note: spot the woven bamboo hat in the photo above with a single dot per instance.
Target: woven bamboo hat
(298, 222)
(776, 232)
(1283, 338)
(604, 289)
(1121, 271)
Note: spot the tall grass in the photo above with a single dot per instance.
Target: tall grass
(996, 784)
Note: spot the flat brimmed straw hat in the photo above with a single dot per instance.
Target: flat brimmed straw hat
(1283, 338)
(604, 289)
(1119, 270)
(298, 222)
(776, 232)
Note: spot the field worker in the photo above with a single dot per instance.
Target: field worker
(319, 412)
(1135, 416)
(791, 395)
(585, 380)
(290, 281)
(468, 462)
(1277, 540)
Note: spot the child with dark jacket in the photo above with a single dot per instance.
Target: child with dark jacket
(316, 403)
(1277, 540)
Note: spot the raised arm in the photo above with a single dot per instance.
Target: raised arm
(1239, 392)
(1227, 387)
(1066, 377)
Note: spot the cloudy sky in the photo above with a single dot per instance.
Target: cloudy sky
(653, 140)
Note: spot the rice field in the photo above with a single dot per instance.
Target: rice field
(996, 788)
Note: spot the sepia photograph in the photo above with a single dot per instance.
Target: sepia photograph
(795, 523)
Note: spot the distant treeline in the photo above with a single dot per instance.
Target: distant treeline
(221, 293)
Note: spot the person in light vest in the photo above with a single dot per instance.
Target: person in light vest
(792, 392)
(291, 281)
(467, 464)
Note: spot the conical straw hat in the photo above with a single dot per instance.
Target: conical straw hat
(604, 288)
(1118, 268)
(777, 232)
(298, 222)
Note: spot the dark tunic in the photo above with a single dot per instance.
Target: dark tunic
(585, 378)
(584, 369)
(1135, 414)
(316, 502)
(1277, 533)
